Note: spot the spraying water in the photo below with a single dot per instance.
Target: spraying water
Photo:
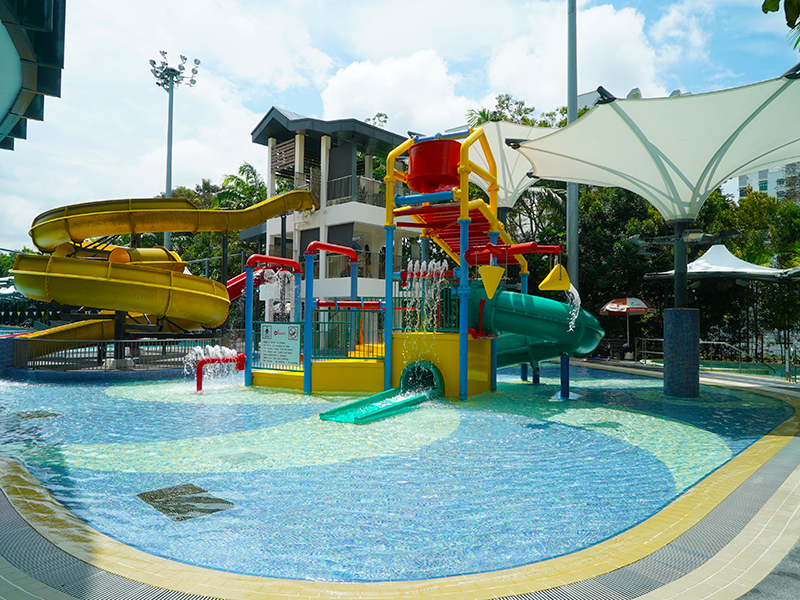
(426, 280)
(211, 371)
(278, 290)
(574, 303)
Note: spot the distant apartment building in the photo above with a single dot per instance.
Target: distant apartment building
(770, 181)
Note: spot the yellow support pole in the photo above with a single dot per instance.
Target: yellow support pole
(492, 179)
(392, 177)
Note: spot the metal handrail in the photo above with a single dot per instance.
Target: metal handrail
(645, 353)
(741, 352)
(107, 355)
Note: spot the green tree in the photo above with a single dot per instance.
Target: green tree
(242, 190)
(6, 262)
(379, 120)
(506, 108)
(791, 183)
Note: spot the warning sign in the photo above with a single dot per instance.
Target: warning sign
(280, 343)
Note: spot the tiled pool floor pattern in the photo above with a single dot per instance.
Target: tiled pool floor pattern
(687, 533)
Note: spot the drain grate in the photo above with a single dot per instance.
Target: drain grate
(184, 502)
(35, 414)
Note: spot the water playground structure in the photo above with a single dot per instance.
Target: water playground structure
(473, 325)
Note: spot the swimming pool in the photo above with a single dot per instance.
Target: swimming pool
(251, 481)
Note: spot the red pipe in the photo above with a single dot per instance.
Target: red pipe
(236, 285)
(502, 250)
(335, 248)
(365, 304)
(429, 274)
(238, 359)
(274, 260)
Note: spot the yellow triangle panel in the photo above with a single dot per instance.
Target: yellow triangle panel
(491, 276)
(556, 280)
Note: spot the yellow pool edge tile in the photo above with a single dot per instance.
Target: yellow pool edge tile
(66, 531)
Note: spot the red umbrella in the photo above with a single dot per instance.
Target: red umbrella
(628, 307)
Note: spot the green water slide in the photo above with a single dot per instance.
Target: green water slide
(419, 381)
(532, 328)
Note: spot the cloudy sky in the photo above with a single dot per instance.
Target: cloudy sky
(422, 62)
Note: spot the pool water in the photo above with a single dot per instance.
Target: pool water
(252, 481)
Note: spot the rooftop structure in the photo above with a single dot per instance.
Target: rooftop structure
(31, 60)
(343, 154)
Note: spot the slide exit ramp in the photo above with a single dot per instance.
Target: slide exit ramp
(420, 381)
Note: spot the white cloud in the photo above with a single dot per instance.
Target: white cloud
(417, 92)
(454, 29)
(106, 136)
(423, 62)
(680, 33)
(612, 51)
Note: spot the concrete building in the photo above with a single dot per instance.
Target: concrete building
(335, 160)
(771, 181)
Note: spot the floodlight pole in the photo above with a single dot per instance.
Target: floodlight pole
(572, 114)
(168, 77)
(170, 90)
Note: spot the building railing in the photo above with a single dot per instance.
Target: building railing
(371, 265)
(367, 191)
(117, 355)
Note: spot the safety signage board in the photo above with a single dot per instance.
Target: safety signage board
(280, 343)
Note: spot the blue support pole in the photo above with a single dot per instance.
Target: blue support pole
(493, 235)
(425, 253)
(463, 321)
(564, 377)
(297, 297)
(353, 296)
(308, 334)
(425, 246)
(354, 280)
(389, 308)
(248, 326)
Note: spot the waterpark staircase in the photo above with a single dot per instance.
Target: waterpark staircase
(366, 350)
(441, 223)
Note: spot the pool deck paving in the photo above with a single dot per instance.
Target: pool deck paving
(733, 535)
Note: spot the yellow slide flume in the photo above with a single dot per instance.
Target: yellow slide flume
(136, 287)
(153, 215)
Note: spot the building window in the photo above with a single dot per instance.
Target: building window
(781, 193)
(742, 192)
(762, 186)
(780, 182)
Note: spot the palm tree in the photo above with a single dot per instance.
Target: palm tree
(242, 190)
(479, 116)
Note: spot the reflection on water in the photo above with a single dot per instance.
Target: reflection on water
(448, 488)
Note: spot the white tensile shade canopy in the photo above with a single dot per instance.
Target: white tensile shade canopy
(719, 262)
(512, 167)
(675, 151)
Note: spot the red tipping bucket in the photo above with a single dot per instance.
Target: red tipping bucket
(433, 166)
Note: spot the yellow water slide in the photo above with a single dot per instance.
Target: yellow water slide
(148, 280)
